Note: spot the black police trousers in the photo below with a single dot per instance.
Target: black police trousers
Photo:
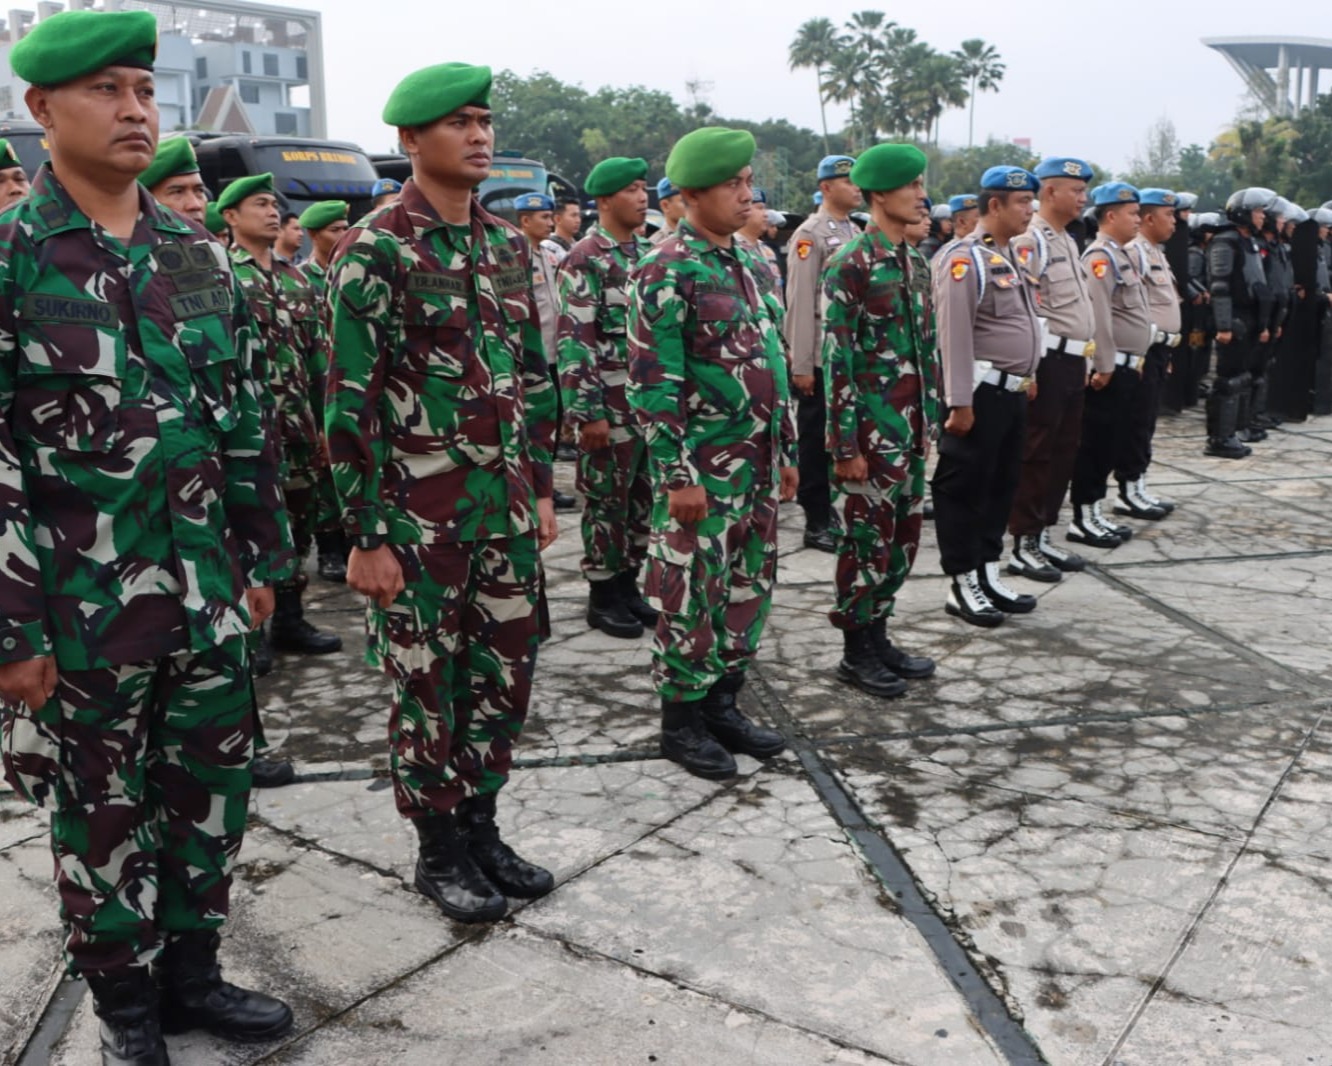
(1105, 426)
(812, 446)
(1135, 453)
(976, 479)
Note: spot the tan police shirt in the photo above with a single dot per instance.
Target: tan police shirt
(1119, 295)
(547, 297)
(1162, 292)
(986, 310)
(1051, 256)
(811, 246)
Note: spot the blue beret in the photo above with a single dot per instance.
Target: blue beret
(965, 202)
(929, 206)
(1157, 198)
(1114, 192)
(1009, 179)
(665, 190)
(818, 199)
(383, 187)
(760, 197)
(835, 166)
(534, 201)
(1063, 167)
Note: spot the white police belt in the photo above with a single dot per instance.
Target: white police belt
(1133, 362)
(1170, 340)
(1068, 346)
(1003, 379)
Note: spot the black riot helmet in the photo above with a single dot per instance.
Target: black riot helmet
(1244, 202)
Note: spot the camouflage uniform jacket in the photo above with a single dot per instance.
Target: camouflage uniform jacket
(441, 411)
(593, 320)
(138, 490)
(285, 344)
(877, 331)
(707, 373)
(309, 332)
(765, 268)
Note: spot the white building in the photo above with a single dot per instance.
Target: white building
(272, 57)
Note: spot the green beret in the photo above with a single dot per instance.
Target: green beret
(213, 221)
(71, 44)
(888, 166)
(174, 156)
(611, 175)
(324, 213)
(709, 156)
(8, 157)
(239, 189)
(428, 94)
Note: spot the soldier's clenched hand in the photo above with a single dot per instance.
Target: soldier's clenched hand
(548, 528)
(32, 681)
(790, 481)
(260, 601)
(856, 469)
(688, 505)
(594, 435)
(375, 573)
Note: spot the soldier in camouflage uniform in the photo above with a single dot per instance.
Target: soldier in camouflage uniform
(881, 377)
(140, 523)
(296, 357)
(440, 426)
(325, 223)
(13, 178)
(708, 382)
(750, 237)
(593, 348)
(174, 179)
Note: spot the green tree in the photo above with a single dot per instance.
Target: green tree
(983, 70)
(814, 46)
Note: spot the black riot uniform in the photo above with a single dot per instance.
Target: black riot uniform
(1291, 376)
(1180, 388)
(1322, 394)
(1199, 329)
(1281, 285)
(1241, 307)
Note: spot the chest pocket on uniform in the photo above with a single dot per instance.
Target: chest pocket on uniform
(71, 370)
(613, 314)
(726, 330)
(435, 324)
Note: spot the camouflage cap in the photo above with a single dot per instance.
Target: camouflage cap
(213, 221)
(241, 188)
(611, 175)
(430, 94)
(174, 156)
(708, 156)
(324, 213)
(888, 166)
(8, 157)
(71, 44)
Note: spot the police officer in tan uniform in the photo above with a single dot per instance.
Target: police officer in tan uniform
(814, 241)
(1157, 225)
(671, 204)
(1123, 335)
(990, 340)
(1048, 253)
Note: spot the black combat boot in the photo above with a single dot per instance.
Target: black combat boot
(332, 547)
(686, 740)
(271, 773)
(1222, 418)
(737, 733)
(862, 667)
(291, 632)
(608, 611)
(899, 662)
(194, 996)
(819, 536)
(633, 599)
(261, 652)
(446, 873)
(126, 1004)
(502, 866)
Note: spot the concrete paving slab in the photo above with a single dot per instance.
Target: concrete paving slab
(521, 998)
(20, 821)
(761, 882)
(30, 942)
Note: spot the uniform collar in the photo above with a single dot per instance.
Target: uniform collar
(52, 210)
(424, 218)
(606, 241)
(696, 242)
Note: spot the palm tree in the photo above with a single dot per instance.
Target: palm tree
(815, 46)
(844, 82)
(980, 65)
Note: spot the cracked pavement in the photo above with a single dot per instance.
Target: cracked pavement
(1099, 837)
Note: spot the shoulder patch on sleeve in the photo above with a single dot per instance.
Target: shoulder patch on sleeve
(803, 247)
(959, 268)
(1099, 266)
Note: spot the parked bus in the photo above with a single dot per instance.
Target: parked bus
(511, 175)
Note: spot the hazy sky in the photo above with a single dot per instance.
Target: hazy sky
(1074, 85)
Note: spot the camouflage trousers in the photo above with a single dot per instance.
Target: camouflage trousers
(713, 586)
(877, 525)
(459, 644)
(146, 771)
(618, 487)
(328, 512)
(303, 467)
